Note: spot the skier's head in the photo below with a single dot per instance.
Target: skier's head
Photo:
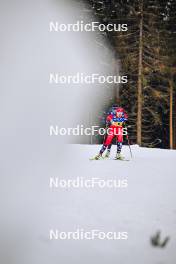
(113, 109)
(114, 106)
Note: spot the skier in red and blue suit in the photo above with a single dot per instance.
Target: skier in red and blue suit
(115, 122)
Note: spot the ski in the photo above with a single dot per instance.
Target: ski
(97, 157)
(122, 159)
(105, 158)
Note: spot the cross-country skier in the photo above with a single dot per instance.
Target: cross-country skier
(115, 122)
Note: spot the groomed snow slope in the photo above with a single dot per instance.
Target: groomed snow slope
(145, 206)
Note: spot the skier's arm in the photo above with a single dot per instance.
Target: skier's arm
(108, 120)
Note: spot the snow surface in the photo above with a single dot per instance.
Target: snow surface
(147, 205)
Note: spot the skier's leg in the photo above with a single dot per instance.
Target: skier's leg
(99, 155)
(109, 147)
(108, 151)
(103, 148)
(106, 143)
(119, 147)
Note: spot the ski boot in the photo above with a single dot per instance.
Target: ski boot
(119, 157)
(106, 156)
(97, 157)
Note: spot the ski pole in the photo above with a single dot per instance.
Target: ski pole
(129, 142)
(129, 146)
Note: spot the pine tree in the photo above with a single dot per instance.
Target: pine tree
(146, 54)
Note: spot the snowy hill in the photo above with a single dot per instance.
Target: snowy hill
(145, 206)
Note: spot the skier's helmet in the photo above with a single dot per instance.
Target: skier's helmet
(113, 110)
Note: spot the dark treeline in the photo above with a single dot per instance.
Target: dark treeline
(147, 54)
